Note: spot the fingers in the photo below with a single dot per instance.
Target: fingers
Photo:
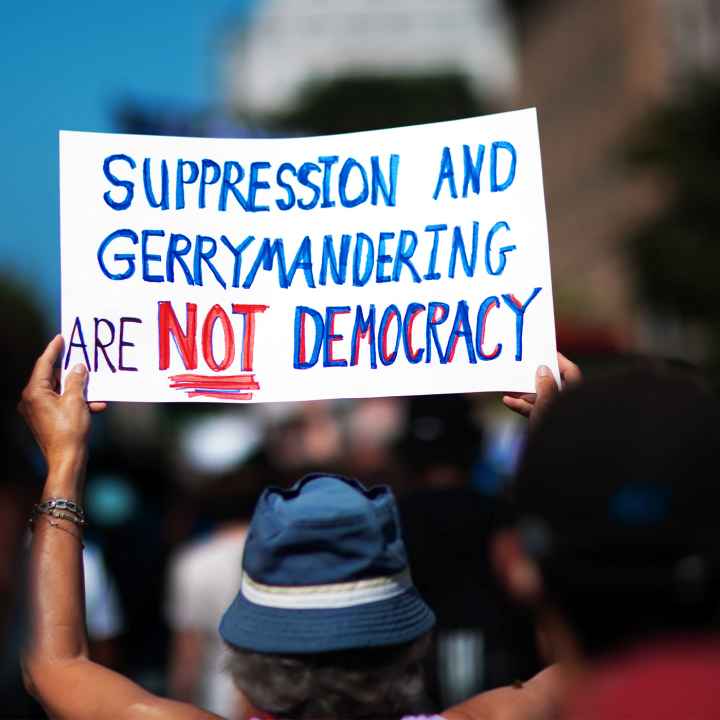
(42, 373)
(533, 405)
(546, 391)
(75, 381)
(569, 371)
(527, 397)
(518, 405)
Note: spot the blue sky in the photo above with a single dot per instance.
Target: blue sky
(65, 66)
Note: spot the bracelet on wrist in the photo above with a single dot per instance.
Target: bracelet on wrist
(60, 508)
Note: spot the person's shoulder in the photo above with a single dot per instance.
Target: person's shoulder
(222, 550)
(207, 555)
(199, 550)
(189, 554)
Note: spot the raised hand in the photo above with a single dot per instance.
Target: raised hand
(59, 422)
(533, 405)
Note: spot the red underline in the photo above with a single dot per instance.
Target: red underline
(212, 385)
(216, 385)
(210, 378)
(220, 396)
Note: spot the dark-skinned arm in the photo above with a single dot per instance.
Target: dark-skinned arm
(56, 666)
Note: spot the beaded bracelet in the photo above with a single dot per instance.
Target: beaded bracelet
(62, 509)
(54, 503)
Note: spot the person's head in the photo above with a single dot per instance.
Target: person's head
(617, 500)
(441, 441)
(327, 623)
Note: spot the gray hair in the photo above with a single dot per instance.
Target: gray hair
(380, 682)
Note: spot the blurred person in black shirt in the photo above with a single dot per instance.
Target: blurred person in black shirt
(616, 542)
(483, 640)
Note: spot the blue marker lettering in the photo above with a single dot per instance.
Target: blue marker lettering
(127, 184)
(164, 202)
(495, 186)
(363, 240)
(206, 166)
(458, 247)
(501, 225)
(446, 174)
(175, 253)
(129, 258)
(338, 267)
(431, 274)
(379, 182)
(148, 257)
(362, 196)
(181, 181)
(519, 309)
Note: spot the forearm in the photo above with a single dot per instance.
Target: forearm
(56, 666)
(57, 669)
(57, 602)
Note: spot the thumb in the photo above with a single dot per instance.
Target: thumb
(75, 381)
(546, 391)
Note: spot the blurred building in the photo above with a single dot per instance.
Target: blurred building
(594, 69)
(289, 43)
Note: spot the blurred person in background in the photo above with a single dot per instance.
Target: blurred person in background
(323, 530)
(372, 428)
(103, 611)
(204, 572)
(300, 437)
(482, 639)
(616, 543)
(203, 578)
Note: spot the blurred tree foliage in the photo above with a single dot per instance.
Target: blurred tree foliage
(676, 254)
(368, 102)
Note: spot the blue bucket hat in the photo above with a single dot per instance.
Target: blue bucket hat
(325, 568)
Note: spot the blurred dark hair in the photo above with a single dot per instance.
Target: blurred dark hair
(617, 497)
(231, 496)
(441, 431)
(379, 682)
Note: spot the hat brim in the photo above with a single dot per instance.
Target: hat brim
(392, 621)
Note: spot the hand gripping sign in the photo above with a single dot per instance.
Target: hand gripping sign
(393, 262)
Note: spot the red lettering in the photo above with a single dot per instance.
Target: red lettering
(385, 321)
(248, 313)
(485, 308)
(217, 313)
(331, 337)
(184, 341)
(412, 353)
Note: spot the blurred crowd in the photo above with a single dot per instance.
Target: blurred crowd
(606, 535)
(170, 491)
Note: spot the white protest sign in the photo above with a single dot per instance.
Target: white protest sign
(394, 262)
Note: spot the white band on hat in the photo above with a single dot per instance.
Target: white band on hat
(333, 595)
